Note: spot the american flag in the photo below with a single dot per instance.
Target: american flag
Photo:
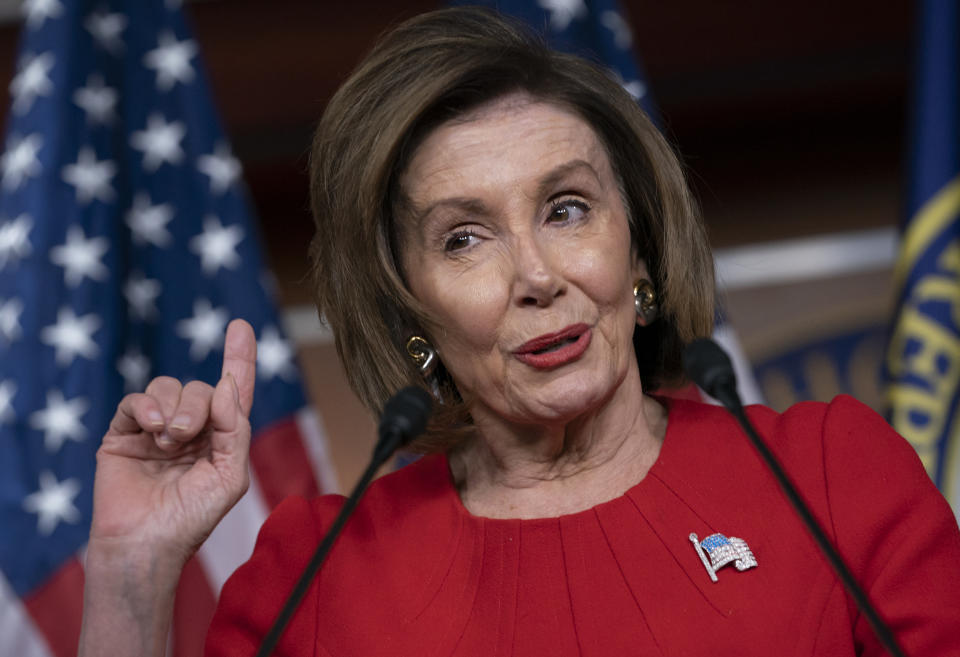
(598, 30)
(126, 245)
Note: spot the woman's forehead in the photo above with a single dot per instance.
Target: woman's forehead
(508, 139)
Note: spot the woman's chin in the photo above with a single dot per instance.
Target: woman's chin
(562, 402)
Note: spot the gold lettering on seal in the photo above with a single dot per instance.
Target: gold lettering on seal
(924, 360)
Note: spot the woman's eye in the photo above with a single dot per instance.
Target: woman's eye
(459, 241)
(568, 210)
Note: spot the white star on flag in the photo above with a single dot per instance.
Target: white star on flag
(31, 81)
(20, 161)
(134, 367)
(205, 330)
(635, 88)
(80, 257)
(71, 336)
(60, 420)
(53, 503)
(106, 28)
(216, 245)
(97, 100)
(274, 355)
(221, 166)
(160, 142)
(90, 177)
(38, 11)
(148, 223)
(562, 12)
(141, 294)
(614, 22)
(7, 391)
(10, 310)
(171, 61)
(15, 240)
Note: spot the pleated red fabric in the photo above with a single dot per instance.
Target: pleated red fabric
(416, 574)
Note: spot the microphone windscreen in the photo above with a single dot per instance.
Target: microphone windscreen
(707, 365)
(406, 413)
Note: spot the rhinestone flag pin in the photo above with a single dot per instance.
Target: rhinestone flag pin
(721, 551)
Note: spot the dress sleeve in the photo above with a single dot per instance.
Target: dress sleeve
(254, 595)
(896, 531)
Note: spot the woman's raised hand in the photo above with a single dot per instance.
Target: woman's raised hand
(171, 465)
(174, 459)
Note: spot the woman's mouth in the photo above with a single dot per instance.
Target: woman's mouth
(554, 349)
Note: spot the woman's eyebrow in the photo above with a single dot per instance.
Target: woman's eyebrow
(465, 204)
(558, 173)
(475, 206)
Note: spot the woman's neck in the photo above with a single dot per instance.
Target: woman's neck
(524, 472)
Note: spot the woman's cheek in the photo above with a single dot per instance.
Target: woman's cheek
(603, 272)
(472, 304)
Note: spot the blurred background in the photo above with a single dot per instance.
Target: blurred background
(791, 118)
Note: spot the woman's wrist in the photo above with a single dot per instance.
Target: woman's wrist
(129, 593)
(142, 563)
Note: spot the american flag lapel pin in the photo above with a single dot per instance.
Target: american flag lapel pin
(716, 551)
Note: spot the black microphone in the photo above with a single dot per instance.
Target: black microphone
(707, 365)
(404, 418)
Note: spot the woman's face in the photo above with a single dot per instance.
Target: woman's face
(516, 238)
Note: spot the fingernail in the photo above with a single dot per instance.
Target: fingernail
(164, 440)
(180, 422)
(155, 418)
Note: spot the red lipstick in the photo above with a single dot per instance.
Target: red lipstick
(554, 349)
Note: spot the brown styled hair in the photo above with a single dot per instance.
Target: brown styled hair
(427, 71)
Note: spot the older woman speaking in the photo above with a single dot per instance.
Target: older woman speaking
(503, 226)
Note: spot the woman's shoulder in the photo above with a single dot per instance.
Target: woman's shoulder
(399, 502)
(828, 449)
(839, 426)
(397, 536)
(848, 462)
(846, 435)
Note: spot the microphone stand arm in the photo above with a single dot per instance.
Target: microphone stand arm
(319, 556)
(404, 417)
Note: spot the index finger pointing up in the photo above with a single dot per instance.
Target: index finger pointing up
(240, 360)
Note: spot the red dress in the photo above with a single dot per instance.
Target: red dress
(414, 573)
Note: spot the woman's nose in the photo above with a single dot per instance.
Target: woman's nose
(537, 277)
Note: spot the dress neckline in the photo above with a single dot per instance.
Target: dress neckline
(450, 489)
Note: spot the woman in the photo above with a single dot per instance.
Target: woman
(503, 225)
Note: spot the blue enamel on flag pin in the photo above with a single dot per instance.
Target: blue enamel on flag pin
(721, 551)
